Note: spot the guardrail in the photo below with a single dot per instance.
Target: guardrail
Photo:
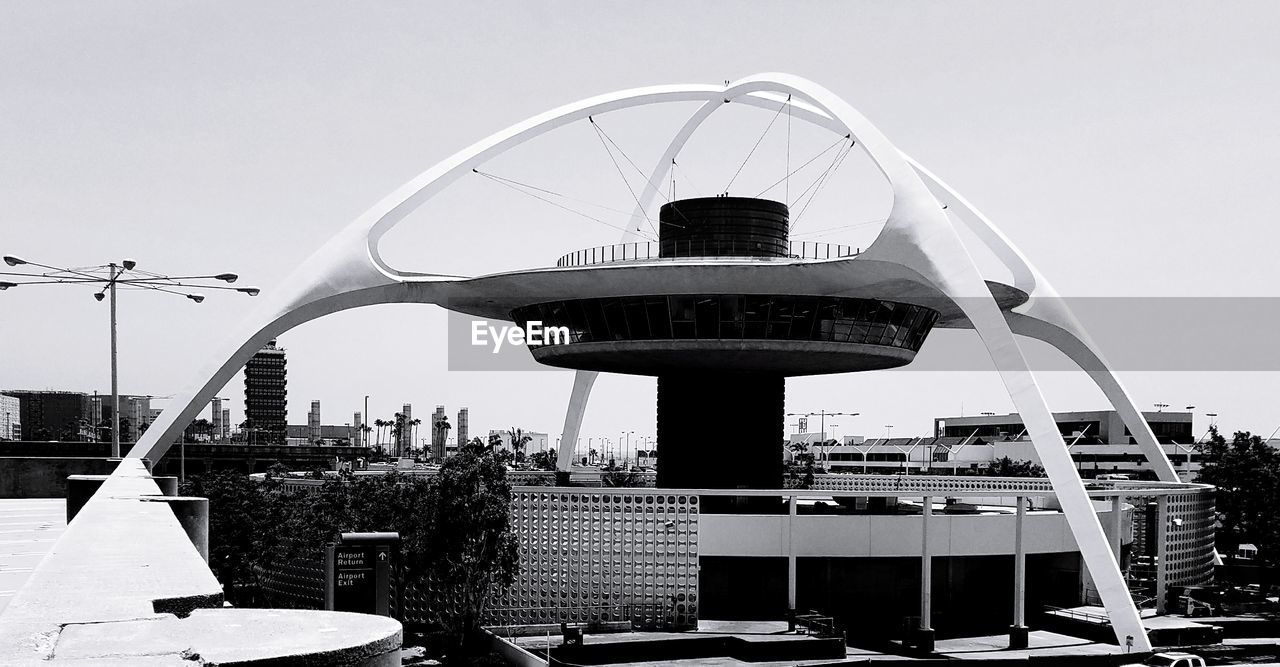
(849, 485)
(682, 250)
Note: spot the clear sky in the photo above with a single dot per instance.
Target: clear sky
(1128, 148)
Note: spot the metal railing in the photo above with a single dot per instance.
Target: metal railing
(649, 251)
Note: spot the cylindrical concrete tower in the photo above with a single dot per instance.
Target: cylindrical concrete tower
(721, 355)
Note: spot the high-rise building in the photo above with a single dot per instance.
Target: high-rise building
(404, 442)
(461, 427)
(216, 413)
(53, 415)
(10, 418)
(357, 433)
(225, 434)
(135, 411)
(266, 398)
(313, 421)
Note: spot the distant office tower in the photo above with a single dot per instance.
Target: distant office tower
(461, 427)
(216, 413)
(313, 422)
(265, 396)
(10, 418)
(357, 434)
(439, 434)
(53, 415)
(404, 441)
(226, 425)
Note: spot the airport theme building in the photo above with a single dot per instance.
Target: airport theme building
(721, 309)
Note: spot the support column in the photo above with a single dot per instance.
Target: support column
(1018, 631)
(1116, 525)
(1162, 552)
(924, 634)
(791, 556)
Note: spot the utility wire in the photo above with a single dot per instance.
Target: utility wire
(757, 144)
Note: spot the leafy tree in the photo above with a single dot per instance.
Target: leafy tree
(543, 460)
(1246, 472)
(466, 547)
(800, 469)
(1007, 467)
(519, 440)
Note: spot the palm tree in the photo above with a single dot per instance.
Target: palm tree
(518, 441)
(381, 424)
(441, 431)
(414, 424)
(397, 433)
(366, 429)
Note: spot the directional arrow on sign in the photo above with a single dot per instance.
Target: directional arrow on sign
(382, 555)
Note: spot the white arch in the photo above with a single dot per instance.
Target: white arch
(919, 235)
(1064, 333)
(348, 272)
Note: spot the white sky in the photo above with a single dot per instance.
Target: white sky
(1128, 148)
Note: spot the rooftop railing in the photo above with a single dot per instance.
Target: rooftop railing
(641, 251)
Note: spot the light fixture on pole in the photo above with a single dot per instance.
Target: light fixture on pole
(109, 276)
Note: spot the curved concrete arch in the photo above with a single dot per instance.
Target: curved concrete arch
(919, 235)
(350, 262)
(348, 272)
(1047, 318)
(1063, 330)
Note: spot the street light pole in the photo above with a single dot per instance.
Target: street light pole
(115, 379)
(114, 276)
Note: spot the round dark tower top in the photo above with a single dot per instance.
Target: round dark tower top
(723, 227)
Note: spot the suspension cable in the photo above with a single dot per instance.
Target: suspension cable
(786, 192)
(797, 170)
(520, 187)
(639, 207)
(822, 181)
(626, 157)
(757, 144)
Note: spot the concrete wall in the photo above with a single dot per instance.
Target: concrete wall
(46, 477)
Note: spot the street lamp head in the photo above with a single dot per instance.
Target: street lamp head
(251, 291)
(4, 286)
(98, 295)
(128, 264)
(195, 297)
(13, 261)
(228, 277)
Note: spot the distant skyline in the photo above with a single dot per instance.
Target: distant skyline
(1127, 148)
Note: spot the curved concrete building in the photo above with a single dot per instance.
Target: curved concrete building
(729, 306)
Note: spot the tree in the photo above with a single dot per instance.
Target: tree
(801, 467)
(413, 424)
(519, 439)
(545, 460)
(440, 430)
(466, 547)
(1007, 467)
(1246, 472)
(397, 434)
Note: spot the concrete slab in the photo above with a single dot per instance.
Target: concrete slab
(233, 636)
(1039, 643)
(28, 529)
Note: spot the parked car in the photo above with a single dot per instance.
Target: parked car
(1171, 659)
